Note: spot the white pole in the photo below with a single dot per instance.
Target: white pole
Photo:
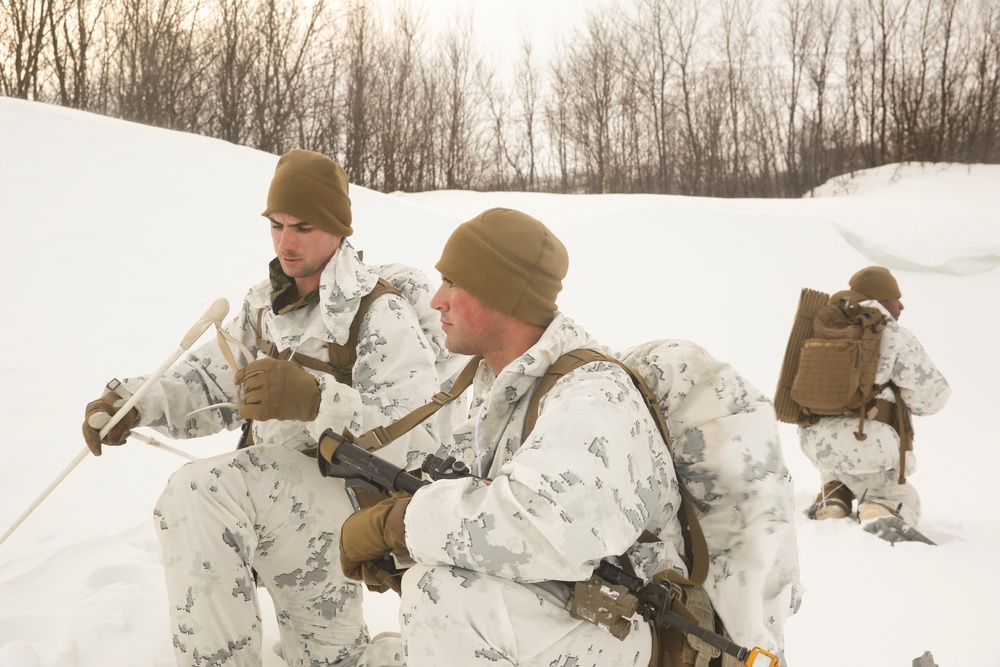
(142, 437)
(214, 315)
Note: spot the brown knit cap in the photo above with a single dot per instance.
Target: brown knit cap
(313, 188)
(875, 282)
(510, 261)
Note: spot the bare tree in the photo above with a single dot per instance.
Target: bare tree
(557, 122)
(653, 63)
(736, 36)
(23, 35)
(283, 40)
(401, 116)
(824, 23)
(979, 115)
(459, 139)
(361, 63)
(72, 27)
(156, 62)
(592, 71)
(231, 64)
(685, 21)
(527, 93)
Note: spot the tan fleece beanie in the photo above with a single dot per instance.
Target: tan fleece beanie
(875, 282)
(510, 261)
(313, 188)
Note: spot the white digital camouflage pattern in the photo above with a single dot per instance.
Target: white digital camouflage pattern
(592, 476)
(267, 508)
(459, 617)
(727, 453)
(830, 443)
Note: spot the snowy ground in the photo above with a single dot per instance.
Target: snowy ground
(119, 236)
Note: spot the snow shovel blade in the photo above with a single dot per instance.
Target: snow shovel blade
(893, 529)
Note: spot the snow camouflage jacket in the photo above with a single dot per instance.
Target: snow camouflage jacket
(830, 443)
(386, 386)
(593, 474)
(727, 453)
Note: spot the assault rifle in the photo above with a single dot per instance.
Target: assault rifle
(619, 591)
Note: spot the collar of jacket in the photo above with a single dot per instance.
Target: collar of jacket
(284, 298)
(519, 376)
(343, 282)
(872, 303)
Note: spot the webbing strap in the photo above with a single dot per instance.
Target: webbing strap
(380, 436)
(695, 546)
(565, 364)
(342, 357)
(904, 428)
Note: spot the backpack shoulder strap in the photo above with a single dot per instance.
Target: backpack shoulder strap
(695, 546)
(380, 436)
(342, 357)
(562, 366)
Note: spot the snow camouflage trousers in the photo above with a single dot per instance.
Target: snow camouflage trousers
(265, 508)
(454, 617)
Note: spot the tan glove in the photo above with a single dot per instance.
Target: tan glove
(93, 421)
(274, 389)
(370, 535)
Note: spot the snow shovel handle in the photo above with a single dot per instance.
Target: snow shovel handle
(214, 315)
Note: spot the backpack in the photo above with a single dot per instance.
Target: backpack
(831, 360)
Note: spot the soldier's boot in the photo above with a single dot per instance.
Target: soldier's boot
(867, 511)
(833, 502)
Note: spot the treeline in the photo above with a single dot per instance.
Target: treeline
(726, 98)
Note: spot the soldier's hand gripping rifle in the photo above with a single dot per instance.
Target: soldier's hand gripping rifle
(613, 595)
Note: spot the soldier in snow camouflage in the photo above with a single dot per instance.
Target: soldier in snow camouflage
(264, 512)
(493, 554)
(869, 469)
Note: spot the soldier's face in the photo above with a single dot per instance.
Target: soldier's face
(302, 249)
(470, 326)
(894, 306)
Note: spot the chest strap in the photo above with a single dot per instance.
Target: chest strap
(341, 357)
